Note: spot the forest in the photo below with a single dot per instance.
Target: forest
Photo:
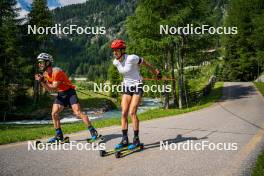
(236, 57)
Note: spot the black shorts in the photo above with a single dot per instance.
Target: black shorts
(66, 98)
(133, 90)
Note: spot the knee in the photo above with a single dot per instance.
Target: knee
(79, 114)
(133, 114)
(54, 115)
(124, 114)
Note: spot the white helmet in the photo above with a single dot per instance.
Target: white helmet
(45, 57)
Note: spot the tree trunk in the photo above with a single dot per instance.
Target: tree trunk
(171, 54)
(166, 94)
(180, 72)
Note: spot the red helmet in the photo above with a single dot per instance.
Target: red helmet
(118, 44)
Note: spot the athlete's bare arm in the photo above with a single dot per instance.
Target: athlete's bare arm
(46, 85)
(150, 67)
(50, 87)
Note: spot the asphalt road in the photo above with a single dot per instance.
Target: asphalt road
(235, 123)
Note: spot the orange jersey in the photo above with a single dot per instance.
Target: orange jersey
(58, 75)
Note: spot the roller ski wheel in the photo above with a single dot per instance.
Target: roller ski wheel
(118, 154)
(37, 143)
(123, 145)
(111, 151)
(128, 151)
(103, 153)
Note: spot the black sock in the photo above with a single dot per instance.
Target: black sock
(90, 128)
(136, 133)
(59, 132)
(124, 132)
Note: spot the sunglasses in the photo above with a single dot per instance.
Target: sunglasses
(41, 62)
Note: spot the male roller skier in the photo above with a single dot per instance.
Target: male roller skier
(54, 79)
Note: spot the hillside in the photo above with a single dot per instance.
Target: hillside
(89, 55)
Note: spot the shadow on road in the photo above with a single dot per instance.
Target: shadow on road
(107, 138)
(236, 92)
(233, 92)
(110, 137)
(179, 138)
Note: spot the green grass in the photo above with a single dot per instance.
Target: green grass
(43, 108)
(93, 100)
(15, 133)
(258, 169)
(260, 87)
(199, 77)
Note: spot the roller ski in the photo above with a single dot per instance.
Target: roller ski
(123, 145)
(54, 141)
(94, 136)
(136, 146)
(93, 139)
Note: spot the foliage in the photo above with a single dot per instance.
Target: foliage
(244, 51)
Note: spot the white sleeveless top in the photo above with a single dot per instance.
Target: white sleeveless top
(129, 67)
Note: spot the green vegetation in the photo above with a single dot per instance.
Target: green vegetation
(198, 77)
(244, 54)
(260, 86)
(14, 133)
(86, 55)
(258, 169)
(95, 100)
(137, 22)
(87, 98)
(90, 55)
(14, 67)
(171, 52)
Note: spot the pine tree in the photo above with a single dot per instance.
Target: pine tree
(244, 51)
(145, 38)
(14, 68)
(40, 16)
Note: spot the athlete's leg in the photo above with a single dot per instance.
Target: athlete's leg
(77, 111)
(56, 109)
(125, 103)
(126, 99)
(133, 111)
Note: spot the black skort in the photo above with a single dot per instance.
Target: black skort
(133, 90)
(66, 98)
